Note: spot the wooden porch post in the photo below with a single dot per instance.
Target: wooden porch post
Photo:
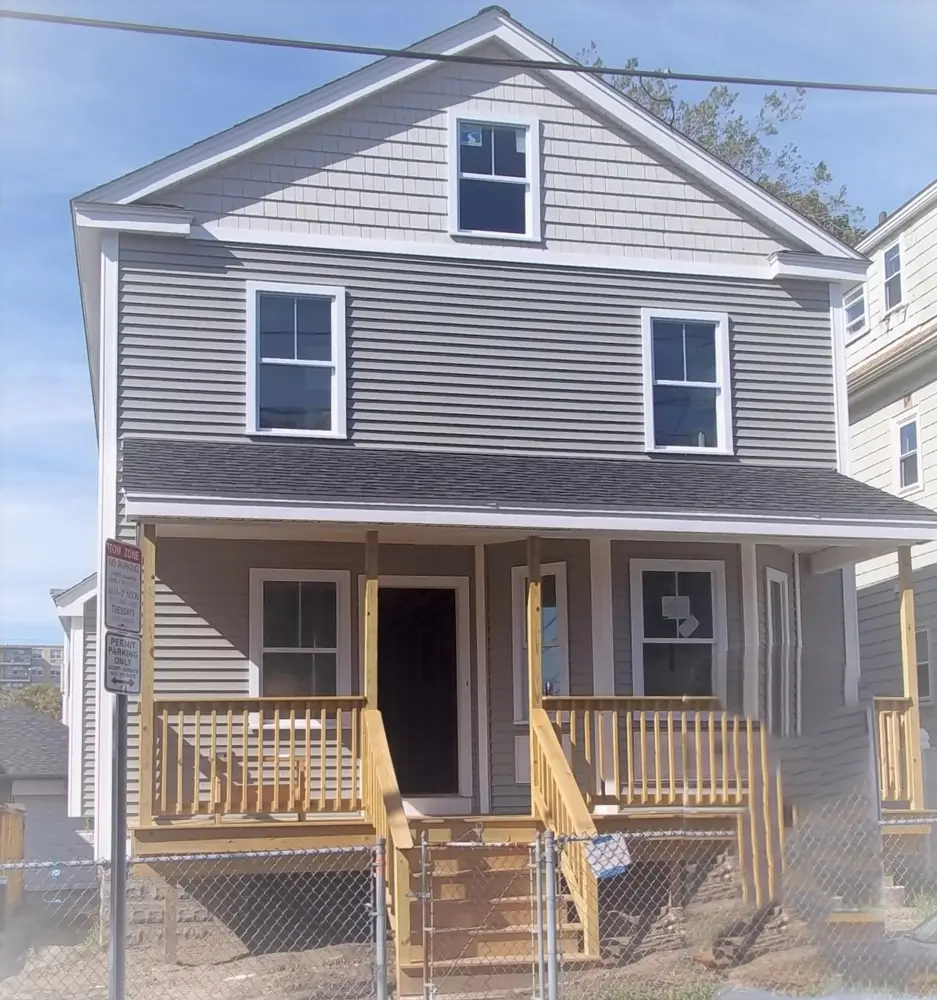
(534, 624)
(370, 618)
(147, 540)
(908, 628)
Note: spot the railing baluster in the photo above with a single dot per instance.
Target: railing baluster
(180, 752)
(698, 746)
(642, 735)
(737, 760)
(725, 757)
(629, 751)
(657, 759)
(229, 764)
(671, 762)
(323, 724)
(684, 757)
(355, 722)
(213, 760)
(293, 762)
(307, 778)
(164, 762)
(245, 762)
(616, 758)
(712, 793)
(587, 752)
(276, 759)
(338, 760)
(600, 748)
(197, 746)
(261, 777)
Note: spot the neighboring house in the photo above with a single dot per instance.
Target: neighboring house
(21, 666)
(34, 774)
(891, 328)
(447, 395)
(76, 608)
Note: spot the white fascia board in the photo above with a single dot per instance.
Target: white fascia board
(488, 25)
(293, 115)
(785, 264)
(76, 596)
(133, 218)
(839, 557)
(651, 522)
(896, 222)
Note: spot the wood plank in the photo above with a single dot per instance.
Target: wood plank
(146, 537)
(908, 627)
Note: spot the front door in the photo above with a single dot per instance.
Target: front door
(418, 687)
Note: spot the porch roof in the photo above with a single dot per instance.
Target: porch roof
(344, 475)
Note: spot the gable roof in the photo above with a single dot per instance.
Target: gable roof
(31, 744)
(900, 218)
(490, 24)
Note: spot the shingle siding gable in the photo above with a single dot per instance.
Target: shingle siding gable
(378, 170)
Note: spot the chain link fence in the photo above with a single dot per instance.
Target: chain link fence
(665, 912)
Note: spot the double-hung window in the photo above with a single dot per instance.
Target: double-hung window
(856, 315)
(554, 635)
(494, 185)
(295, 359)
(909, 452)
(300, 633)
(679, 630)
(893, 289)
(687, 395)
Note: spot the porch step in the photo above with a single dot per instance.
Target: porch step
(487, 978)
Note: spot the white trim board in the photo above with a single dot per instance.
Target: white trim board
(783, 580)
(584, 521)
(481, 679)
(489, 24)
(750, 629)
(603, 617)
(459, 584)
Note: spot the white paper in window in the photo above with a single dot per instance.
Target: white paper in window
(520, 137)
(675, 607)
(470, 135)
(688, 626)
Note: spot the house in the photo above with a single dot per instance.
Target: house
(485, 440)
(891, 330)
(33, 775)
(76, 609)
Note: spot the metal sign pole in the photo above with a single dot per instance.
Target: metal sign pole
(118, 901)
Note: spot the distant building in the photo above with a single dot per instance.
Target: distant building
(24, 665)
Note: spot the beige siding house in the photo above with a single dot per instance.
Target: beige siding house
(486, 440)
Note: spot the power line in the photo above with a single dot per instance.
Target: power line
(377, 50)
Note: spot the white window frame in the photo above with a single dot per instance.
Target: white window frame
(720, 641)
(531, 124)
(909, 416)
(850, 298)
(773, 575)
(725, 444)
(886, 308)
(929, 700)
(337, 364)
(519, 630)
(342, 581)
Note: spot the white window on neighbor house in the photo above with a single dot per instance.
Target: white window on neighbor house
(922, 642)
(854, 302)
(300, 633)
(909, 472)
(295, 360)
(554, 634)
(894, 292)
(687, 394)
(494, 178)
(678, 628)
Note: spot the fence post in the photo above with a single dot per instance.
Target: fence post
(541, 957)
(380, 919)
(552, 955)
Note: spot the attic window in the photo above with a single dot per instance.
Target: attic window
(494, 181)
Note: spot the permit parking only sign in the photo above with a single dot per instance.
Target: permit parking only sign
(121, 663)
(123, 586)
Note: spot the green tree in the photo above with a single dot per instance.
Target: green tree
(45, 698)
(746, 143)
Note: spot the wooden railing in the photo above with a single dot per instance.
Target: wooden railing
(558, 802)
(628, 752)
(895, 761)
(12, 845)
(256, 756)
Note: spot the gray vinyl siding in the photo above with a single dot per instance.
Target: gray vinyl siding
(823, 667)
(203, 610)
(469, 355)
(507, 796)
(624, 552)
(89, 706)
(379, 170)
(51, 835)
(775, 557)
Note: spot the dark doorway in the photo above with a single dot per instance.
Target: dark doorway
(418, 687)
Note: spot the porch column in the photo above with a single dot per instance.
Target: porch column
(908, 628)
(146, 537)
(370, 618)
(534, 625)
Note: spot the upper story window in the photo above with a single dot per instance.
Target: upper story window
(893, 290)
(295, 360)
(687, 397)
(909, 452)
(494, 178)
(856, 314)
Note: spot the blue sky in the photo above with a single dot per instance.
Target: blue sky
(79, 107)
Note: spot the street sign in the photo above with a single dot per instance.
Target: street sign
(123, 586)
(122, 657)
